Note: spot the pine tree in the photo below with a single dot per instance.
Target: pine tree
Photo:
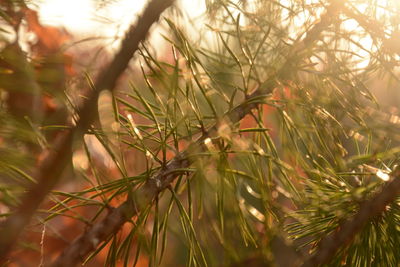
(265, 137)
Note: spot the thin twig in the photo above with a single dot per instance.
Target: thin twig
(145, 195)
(346, 232)
(51, 168)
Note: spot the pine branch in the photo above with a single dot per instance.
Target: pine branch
(346, 232)
(146, 195)
(368, 23)
(376, 30)
(50, 170)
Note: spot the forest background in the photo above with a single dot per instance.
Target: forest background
(258, 133)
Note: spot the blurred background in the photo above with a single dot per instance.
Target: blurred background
(329, 116)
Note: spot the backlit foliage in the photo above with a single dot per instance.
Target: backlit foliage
(286, 111)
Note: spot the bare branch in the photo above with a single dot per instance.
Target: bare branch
(52, 166)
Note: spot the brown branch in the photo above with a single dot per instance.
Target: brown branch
(373, 207)
(145, 195)
(103, 230)
(51, 168)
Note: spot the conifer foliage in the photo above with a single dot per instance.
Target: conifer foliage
(264, 134)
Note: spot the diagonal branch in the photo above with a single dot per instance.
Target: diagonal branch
(51, 168)
(145, 195)
(375, 206)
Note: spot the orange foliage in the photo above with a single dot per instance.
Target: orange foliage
(249, 121)
(170, 154)
(32, 94)
(50, 39)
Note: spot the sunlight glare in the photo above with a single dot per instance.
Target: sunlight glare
(83, 16)
(74, 15)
